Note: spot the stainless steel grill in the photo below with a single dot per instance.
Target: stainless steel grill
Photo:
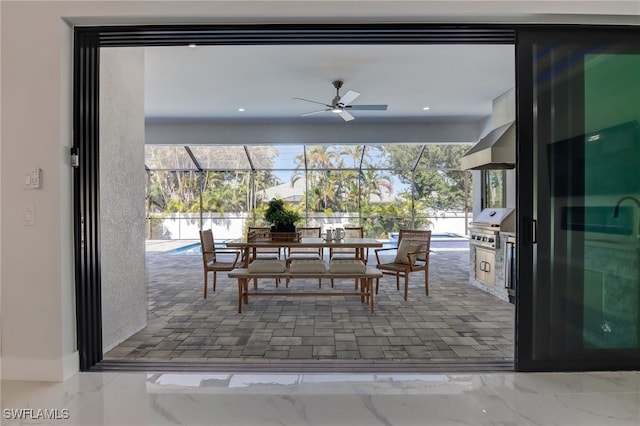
(485, 230)
(484, 239)
(489, 239)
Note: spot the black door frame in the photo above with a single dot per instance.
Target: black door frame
(87, 44)
(86, 189)
(532, 229)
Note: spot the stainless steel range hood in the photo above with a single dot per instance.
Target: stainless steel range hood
(497, 150)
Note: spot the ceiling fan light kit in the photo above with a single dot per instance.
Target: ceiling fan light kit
(340, 104)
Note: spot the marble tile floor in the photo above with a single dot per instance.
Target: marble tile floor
(110, 398)
(455, 323)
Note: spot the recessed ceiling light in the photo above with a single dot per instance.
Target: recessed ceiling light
(192, 45)
(241, 109)
(426, 108)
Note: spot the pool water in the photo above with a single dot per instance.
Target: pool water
(438, 241)
(193, 249)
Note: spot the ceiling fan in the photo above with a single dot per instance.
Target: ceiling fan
(339, 105)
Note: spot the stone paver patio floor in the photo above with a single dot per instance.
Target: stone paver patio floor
(456, 321)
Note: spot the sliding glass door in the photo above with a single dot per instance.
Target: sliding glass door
(579, 199)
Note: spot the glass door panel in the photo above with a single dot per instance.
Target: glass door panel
(579, 256)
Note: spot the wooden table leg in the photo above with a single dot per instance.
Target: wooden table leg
(240, 288)
(366, 290)
(246, 257)
(370, 287)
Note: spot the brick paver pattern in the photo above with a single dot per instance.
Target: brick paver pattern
(455, 322)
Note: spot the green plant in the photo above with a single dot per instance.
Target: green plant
(278, 214)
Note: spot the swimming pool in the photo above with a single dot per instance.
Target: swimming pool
(192, 249)
(438, 241)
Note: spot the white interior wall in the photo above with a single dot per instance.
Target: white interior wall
(38, 320)
(504, 109)
(0, 212)
(122, 180)
(476, 191)
(38, 302)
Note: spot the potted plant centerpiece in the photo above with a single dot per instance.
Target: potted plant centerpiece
(281, 218)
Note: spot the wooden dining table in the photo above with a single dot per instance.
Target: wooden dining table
(360, 244)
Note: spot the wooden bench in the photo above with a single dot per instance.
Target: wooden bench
(365, 279)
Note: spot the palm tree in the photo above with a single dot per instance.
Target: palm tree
(321, 157)
(354, 152)
(315, 164)
(374, 182)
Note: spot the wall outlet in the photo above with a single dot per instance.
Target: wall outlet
(29, 215)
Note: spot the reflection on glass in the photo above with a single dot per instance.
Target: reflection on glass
(587, 292)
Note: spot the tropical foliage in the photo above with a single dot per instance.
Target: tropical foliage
(279, 214)
(385, 187)
(436, 179)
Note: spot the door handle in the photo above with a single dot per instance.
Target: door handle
(529, 231)
(485, 266)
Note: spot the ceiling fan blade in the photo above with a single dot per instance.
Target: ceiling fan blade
(348, 97)
(314, 112)
(345, 115)
(368, 107)
(315, 102)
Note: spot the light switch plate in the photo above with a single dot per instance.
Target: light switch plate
(33, 178)
(36, 178)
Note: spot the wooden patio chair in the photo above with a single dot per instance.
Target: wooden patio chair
(305, 253)
(211, 261)
(413, 256)
(260, 233)
(354, 254)
(342, 253)
(256, 233)
(293, 253)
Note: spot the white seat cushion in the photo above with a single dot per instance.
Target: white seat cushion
(307, 266)
(347, 266)
(404, 248)
(265, 256)
(267, 266)
(304, 256)
(343, 256)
